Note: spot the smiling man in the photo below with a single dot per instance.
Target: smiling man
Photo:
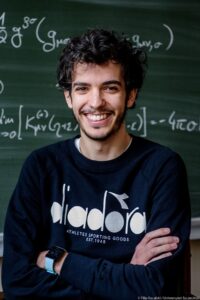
(99, 102)
(103, 215)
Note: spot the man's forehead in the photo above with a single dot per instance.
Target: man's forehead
(109, 68)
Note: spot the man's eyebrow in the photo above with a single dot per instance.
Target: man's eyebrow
(80, 83)
(103, 83)
(108, 82)
(112, 82)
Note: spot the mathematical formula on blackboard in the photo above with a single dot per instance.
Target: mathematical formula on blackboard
(50, 40)
(24, 123)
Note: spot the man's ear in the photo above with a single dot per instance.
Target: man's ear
(132, 98)
(68, 99)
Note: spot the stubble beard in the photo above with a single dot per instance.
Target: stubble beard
(118, 123)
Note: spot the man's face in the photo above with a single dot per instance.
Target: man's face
(98, 99)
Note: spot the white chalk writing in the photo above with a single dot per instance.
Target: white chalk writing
(35, 123)
(182, 124)
(50, 39)
(154, 45)
(1, 87)
(23, 123)
(53, 42)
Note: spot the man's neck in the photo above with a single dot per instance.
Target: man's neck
(104, 150)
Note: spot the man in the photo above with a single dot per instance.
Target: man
(104, 215)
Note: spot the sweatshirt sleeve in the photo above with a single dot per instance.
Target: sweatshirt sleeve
(164, 277)
(23, 240)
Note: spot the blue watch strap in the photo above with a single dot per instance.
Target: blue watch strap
(49, 262)
(52, 256)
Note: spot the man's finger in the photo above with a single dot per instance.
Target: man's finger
(154, 234)
(159, 257)
(163, 241)
(155, 251)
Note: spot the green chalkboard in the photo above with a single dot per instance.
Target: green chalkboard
(33, 112)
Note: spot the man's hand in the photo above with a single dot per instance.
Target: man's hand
(155, 245)
(58, 265)
(41, 259)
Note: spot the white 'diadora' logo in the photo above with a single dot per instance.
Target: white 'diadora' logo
(96, 219)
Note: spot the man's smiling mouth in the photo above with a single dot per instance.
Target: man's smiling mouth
(97, 117)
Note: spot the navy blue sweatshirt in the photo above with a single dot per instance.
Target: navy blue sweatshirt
(98, 211)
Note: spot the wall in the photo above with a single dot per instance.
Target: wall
(195, 267)
(0, 274)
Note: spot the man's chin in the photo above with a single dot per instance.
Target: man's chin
(98, 136)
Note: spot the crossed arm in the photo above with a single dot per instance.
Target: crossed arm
(155, 245)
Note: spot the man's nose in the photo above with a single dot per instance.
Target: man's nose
(96, 98)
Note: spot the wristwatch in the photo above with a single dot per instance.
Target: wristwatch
(52, 257)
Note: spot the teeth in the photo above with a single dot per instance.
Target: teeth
(96, 117)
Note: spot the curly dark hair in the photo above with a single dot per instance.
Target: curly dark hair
(98, 46)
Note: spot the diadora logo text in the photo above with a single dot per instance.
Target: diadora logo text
(96, 219)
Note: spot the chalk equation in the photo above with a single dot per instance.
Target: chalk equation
(50, 39)
(22, 123)
(41, 121)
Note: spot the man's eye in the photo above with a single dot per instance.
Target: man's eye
(111, 88)
(81, 89)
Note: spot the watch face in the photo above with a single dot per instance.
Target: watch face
(55, 252)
